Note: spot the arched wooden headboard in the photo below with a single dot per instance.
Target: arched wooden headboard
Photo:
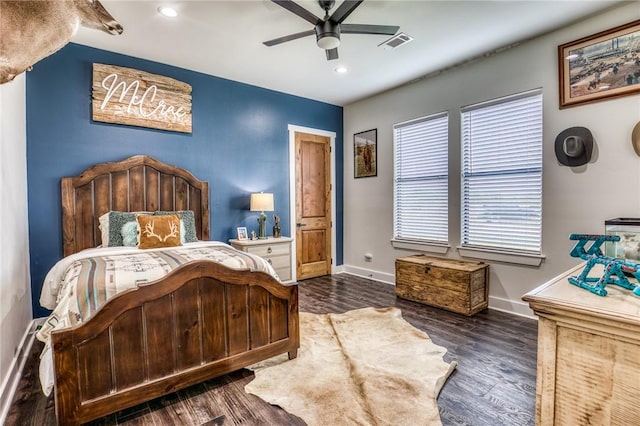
(139, 183)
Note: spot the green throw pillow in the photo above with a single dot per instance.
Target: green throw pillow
(116, 221)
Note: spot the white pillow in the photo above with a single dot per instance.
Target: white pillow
(104, 229)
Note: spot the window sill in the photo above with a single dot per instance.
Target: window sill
(420, 246)
(501, 256)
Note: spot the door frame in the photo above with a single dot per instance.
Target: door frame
(293, 129)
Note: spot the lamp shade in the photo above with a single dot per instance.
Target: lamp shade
(261, 202)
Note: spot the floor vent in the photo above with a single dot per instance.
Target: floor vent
(396, 41)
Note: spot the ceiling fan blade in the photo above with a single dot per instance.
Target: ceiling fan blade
(288, 38)
(368, 29)
(345, 10)
(298, 10)
(332, 54)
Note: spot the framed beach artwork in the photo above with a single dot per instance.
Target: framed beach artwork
(601, 66)
(365, 153)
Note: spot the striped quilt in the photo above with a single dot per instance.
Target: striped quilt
(90, 280)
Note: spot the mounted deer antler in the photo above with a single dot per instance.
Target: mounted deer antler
(31, 30)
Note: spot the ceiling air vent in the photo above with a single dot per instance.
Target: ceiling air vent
(396, 41)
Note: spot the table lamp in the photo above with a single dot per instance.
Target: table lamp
(261, 202)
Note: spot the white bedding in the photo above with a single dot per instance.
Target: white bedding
(59, 288)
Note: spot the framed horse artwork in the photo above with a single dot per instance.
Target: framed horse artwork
(365, 153)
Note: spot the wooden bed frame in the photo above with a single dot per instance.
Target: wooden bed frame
(201, 321)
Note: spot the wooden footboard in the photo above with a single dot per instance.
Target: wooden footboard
(201, 321)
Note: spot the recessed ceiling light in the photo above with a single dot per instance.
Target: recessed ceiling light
(167, 11)
(341, 70)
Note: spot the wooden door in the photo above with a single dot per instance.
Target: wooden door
(313, 205)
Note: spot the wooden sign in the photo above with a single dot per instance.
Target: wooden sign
(137, 98)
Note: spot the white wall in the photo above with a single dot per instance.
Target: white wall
(15, 288)
(574, 200)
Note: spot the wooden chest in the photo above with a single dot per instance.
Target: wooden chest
(455, 285)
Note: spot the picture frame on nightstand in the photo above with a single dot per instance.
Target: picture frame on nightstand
(242, 233)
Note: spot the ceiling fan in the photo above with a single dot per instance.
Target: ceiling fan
(329, 28)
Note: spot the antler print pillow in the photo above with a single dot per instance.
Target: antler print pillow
(158, 231)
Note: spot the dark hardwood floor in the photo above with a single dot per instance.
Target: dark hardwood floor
(494, 383)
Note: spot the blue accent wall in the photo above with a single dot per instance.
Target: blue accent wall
(239, 145)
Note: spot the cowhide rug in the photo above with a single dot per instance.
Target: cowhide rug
(364, 367)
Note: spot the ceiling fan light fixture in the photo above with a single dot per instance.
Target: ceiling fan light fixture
(328, 42)
(328, 35)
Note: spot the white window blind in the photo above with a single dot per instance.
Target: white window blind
(502, 174)
(421, 179)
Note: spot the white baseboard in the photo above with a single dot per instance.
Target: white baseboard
(338, 269)
(10, 384)
(515, 307)
(367, 273)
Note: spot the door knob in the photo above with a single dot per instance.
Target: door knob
(301, 224)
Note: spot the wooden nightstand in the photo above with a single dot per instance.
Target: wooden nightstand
(277, 251)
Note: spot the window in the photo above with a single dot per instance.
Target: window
(420, 204)
(502, 174)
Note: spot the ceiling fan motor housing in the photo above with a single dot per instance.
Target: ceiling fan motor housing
(328, 34)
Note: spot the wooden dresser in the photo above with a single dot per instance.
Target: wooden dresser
(277, 251)
(588, 369)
